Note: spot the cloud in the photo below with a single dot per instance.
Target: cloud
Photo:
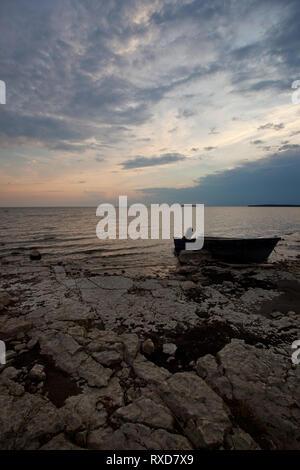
(142, 162)
(267, 85)
(37, 127)
(67, 147)
(186, 113)
(174, 70)
(271, 125)
(288, 147)
(208, 149)
(273, 179)
(257, 142)
(85, 60)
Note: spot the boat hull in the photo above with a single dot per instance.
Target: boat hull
(237, 250)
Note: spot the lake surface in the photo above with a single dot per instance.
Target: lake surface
(71, 233)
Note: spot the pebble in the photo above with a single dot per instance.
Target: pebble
(35, 255)
(188, 285)
(32, 343)
(169, 349)
(148, 346)
(37, 373)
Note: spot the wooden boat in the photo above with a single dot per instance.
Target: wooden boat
(238, 250)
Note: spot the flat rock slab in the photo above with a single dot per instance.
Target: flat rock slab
(148, 371)
(98, 296)
(138, 437)
(145, 411)
(112, 282)
(84, 411)
(69, 357)
(200, 412)
(146, 312)
(26, 420)
(265, 392)
(60, 443)
(105, 282)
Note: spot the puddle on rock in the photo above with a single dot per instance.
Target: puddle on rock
(288, 301)
(190, 346)
(58, 386)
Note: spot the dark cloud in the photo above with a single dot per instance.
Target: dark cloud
(74, 147)
(186, 113)
(271, 63)
(276, 85)
(285, 39)
(69, 147)
(257, 142)
(38, 127)
(208, 149)
(288, 147)
(61, 57)
(247, 52)
(271, 125)
(142, 162)
(273, 179)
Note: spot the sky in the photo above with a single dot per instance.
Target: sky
(159, 100)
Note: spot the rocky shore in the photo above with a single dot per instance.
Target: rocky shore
(196, 358)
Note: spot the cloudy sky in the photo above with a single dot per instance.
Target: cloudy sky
(162, 100)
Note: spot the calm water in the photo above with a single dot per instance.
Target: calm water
(71, 232)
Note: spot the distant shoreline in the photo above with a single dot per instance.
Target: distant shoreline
(273, 205)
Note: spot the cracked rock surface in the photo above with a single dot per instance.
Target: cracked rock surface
(218, 374)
